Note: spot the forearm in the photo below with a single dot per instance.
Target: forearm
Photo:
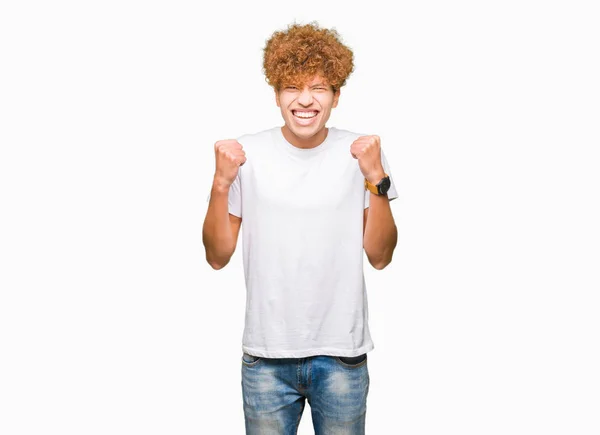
(381, 234)
(217, 234)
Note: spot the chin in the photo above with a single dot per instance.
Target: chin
(305, 132)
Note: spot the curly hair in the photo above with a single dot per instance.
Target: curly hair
(298, 54)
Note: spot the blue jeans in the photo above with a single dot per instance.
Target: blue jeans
(275, 389)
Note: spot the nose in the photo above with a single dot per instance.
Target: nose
(305, 98)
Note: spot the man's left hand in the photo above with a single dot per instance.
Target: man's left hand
(367, 149)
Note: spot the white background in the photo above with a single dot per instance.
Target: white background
(111, 321)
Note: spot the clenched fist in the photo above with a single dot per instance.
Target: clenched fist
(367, 150)
(229, 156)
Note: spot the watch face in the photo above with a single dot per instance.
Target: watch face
(384, 185)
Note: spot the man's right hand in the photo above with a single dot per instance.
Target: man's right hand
(229, 156)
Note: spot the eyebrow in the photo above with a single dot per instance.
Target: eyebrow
(313, 86)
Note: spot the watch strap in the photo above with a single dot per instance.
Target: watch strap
(372, 187)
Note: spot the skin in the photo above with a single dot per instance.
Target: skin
(221, 229)
(316, 95)
(380, 234)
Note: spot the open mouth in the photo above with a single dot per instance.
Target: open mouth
(305, 117)
(305, 114)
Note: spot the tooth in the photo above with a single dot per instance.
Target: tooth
(306, 115)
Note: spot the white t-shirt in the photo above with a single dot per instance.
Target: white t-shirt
(302, 232)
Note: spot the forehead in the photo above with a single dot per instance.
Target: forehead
(317, 80)
(310, 81)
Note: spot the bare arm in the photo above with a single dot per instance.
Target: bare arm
(379, 230)
(220, 230)
(380, 234)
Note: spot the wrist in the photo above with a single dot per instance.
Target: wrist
(220, 185)
(376, 177)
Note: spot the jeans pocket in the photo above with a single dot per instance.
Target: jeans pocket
(250, 360)
(352, 361)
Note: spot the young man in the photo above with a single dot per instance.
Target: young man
(311, 199)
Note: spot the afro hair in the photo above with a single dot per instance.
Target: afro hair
(296, 55)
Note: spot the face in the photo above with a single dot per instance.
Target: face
(305, 111)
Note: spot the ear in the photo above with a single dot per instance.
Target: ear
(336, 97)
(277, 97)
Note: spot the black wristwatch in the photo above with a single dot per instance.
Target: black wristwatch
(380, 188)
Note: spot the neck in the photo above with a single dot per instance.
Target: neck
(305, 143)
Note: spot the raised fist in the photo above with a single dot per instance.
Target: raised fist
(367, 150)
(229, 156)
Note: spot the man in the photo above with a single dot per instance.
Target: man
(311, 199)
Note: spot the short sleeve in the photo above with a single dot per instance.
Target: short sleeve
(235, 196)
(392, 193)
